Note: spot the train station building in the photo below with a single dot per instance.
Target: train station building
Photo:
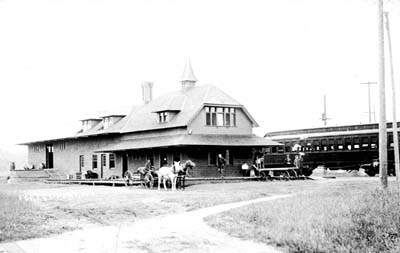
(196, 122)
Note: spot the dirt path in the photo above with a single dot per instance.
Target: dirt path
(183, 232)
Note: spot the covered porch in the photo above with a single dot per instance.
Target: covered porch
(201, 149)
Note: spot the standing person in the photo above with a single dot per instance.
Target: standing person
(221, 165)
(287, 160)
(300, 164)
(148, 165)
(296, 161)
(245, 168)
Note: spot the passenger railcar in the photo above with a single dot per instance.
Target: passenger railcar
(340, 147)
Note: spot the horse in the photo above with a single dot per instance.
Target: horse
(180, 180)
(165, 173)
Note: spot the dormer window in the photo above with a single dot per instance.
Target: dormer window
(162, 117)
(110, 120)
(89, 123)
(220, 116)
(106, 123)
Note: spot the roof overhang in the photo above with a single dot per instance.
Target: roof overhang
(191, 140)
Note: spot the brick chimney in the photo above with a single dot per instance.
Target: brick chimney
(188, 79)
(147, 92)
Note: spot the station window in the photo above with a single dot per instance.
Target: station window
(177, 157)
(62, 145)
(162, 117)
(212, 158)
(268, 150)
(163, 159)
(103, 160)
(94, 161)
(220, 116)
(112, 161)
(81, 161)
(229, 157)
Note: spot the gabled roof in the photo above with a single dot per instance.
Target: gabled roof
(190, 102)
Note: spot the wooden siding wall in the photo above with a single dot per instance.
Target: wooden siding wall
(67, 160)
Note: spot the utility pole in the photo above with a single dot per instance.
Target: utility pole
(324, 117)
(369, 99)
(382, 102)
(394, 126)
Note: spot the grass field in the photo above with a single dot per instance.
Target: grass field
(21, 219)
(38, 210)
(346, 217)
(47, 209)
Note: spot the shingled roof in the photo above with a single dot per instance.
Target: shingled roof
(188, 103)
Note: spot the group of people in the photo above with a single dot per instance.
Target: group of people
(246, 169)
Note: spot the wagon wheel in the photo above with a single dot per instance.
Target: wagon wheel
(169, 183)
(286, 175)
(292, 173)
(263, 176)
(148, 180)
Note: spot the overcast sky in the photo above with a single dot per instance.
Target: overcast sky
(61, 61)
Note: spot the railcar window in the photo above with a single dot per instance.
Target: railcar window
(340, 144)
(287, 147)
(348, 144)
(374, 142)
(331, 144)
(365, 143)
(324, 145)
(268, 150)
(356, 142)
(390, 141)
(274, 149)
(316, 145)
(280, 149)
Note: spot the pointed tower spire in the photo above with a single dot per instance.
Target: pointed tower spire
(188, 79)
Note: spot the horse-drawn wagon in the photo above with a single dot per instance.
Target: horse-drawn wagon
(173, 177)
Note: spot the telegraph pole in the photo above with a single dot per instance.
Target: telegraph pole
(394, 126)
(382, 102)
(324, 117)
(369, 99)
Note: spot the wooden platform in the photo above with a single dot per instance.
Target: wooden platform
(189, 181)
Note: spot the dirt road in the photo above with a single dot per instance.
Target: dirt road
(183, 232)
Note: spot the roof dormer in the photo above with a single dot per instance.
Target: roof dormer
(110, 120)
(89, 123)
